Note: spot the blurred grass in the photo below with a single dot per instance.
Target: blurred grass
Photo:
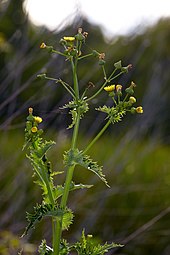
(137, 171)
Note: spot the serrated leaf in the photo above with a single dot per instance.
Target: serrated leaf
(44, 249)
(114, 114)
(88, 246)
(44, 210)
(92, 166)
(42, 150)
(74, 157)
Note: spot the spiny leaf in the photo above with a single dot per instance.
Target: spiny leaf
(115, 114)
(88, 246)
(89, 164)
(44, 249)
(43, 210)
(43, 148)
(74, 106)
(74, 157)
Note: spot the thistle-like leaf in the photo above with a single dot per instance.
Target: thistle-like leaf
(44, 249)
(43, 148)
(74, 106)
(74, 157)
(87, 246)
(44, 210)
(114, 114)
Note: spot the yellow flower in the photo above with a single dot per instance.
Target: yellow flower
(118, 87)
(132, 100)
(69, 38)
(43, 46)
(109, 88)
(139, 109)
(38, 119)
(34, 129)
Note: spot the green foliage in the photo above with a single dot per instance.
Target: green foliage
(114, 115)
(44, 249)
(44, 210)
(38, 147)
(73, 106)
(59, 189)
(87, 246)
(77, 157)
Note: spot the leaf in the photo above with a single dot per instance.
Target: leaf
(73, 117)
(44, 210)
(74, 157)
(58, 191)
(74, 106)
(88, 246)
(92, 166)
(114, 114)
(43, 148)
(44, 249)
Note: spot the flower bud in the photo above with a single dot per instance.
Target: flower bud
(62, 42)
(139, 109)
(118, 65)
(80, 37)
(41, 76)
(30, 110)
(129, 90)
(34, 129)
(102, 62)
(118, 87)
(43, 45)
(95, 53)
(132, 100)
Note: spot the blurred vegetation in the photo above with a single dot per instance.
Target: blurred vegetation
(135, 153)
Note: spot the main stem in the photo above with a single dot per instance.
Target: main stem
(58, 231)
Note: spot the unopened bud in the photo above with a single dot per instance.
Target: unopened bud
(132, 100)
(118, 65)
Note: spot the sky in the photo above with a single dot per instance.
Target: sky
(115, 17)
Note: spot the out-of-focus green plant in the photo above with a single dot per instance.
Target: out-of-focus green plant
(55, 197)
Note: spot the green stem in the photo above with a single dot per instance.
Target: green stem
(65, 85)
(104, 84)
(58, 52)
(85, 56)
(97, 136)
(75, 80)
(70, 170)
(104, 72)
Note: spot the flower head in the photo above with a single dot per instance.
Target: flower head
(139, 109)
(34, 129)
(38, 119)
(109, 88)
(132, 100)
(43, 46)
(118, 87)
(69, 38)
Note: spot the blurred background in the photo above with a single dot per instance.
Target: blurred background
(135, 153)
